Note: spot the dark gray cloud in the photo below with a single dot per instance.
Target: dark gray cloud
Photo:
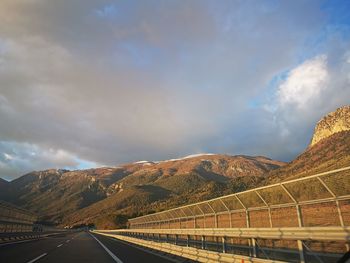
(110, 82)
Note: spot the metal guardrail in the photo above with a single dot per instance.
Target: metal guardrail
(191, 250)
(287, 233)
(315, 244)
(294, 203)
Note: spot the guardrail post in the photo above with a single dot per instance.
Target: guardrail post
(300, 223)
(300, 220)
(300, 242)
(267, 205)
(341, 220)
(270, 217)
(253, 247)
(301, 251)
(203, 242)
(223, 244)
(246, 211)
(247, 218)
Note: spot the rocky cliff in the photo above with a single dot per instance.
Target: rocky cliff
(332, 123)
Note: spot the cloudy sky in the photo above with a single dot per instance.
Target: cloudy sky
(87, 83)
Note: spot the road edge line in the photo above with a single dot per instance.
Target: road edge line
(116, 259)
(147, 250)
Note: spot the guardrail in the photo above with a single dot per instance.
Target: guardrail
(315, 244)
(177, 247)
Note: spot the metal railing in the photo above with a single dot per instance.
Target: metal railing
(318, 200)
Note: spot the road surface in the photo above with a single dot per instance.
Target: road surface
(74, 248)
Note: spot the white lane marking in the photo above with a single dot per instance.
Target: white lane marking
(60, 245)
(107, 250)
(37, 258)
(67, 241)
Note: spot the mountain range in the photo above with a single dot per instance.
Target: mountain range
(107, 196)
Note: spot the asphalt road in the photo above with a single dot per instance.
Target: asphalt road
(75, 248)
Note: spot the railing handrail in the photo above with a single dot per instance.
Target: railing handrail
(292, 233)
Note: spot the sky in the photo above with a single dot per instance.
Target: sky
(87, 83)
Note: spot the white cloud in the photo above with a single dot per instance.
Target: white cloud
(8, 157)
(311, 90)
(305, 83)
(19, 158)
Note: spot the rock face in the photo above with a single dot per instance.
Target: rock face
(332, 123)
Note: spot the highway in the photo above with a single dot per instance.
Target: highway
(75, 247)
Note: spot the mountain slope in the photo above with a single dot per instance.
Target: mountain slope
(55, 193)
(330, 153)
(3, 187)
(166, 184)
(329, 149)
(106, 197)
(192, 171)
(130, 202)
(3, 182)
(62, 195)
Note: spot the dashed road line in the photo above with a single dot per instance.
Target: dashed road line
(37, 258)
(116, 259)
(67, 241)
(60, 245)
